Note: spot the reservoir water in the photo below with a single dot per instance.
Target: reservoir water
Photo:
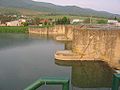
(24, 59)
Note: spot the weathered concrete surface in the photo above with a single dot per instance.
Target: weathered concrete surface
(104, 44)
(69, 31)
(93, 44)
(63, 38)
(56, 30)
(69, 55)
(68, 36)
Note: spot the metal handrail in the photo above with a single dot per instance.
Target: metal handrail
(116, 82)
(49, 81)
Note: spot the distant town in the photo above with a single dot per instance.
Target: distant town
(22, 20)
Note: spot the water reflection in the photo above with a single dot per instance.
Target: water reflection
(89, 74)
(10, 40)
(37, 36)
(24, 59)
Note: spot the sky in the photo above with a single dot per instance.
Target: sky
(112, 6)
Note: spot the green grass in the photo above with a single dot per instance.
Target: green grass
(13, 29)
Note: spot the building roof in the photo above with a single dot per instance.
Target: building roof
(44, 20)
(112, 21)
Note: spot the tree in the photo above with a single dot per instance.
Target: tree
(64, 21)
(68, 21)
(115, 18)
(45, 23)
(37, 20)
(87, 20)
(25, 23)
(102, 21)
(119, 20)
(5, 18)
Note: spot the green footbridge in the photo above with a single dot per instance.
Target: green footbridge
(50, 81)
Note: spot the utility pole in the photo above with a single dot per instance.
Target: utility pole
(91, 20)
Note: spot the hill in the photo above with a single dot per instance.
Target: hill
(42, 7)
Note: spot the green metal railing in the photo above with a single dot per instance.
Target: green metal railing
(50, 81)
(116, 82)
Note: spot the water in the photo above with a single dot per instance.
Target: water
(89, 75)
(25, 59)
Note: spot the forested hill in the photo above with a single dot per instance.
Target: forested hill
(51, 8)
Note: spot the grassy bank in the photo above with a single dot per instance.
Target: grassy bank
(13, 29)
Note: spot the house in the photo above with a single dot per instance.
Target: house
(22, 16)
(22, 20)
(1, 24)
(14, 16)
(13, 23)
(112, 22)
(76, 21)
(118, 24)
(45, 21)
(16, 22)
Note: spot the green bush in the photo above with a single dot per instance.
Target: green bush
(102, 21)
(13, 29)
(25, 23)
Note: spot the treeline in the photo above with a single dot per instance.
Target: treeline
(5, 18)
(50, 21)
(95, 21)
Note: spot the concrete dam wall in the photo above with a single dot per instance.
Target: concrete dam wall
(93, 43)
(56, 30)
(99, 44)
